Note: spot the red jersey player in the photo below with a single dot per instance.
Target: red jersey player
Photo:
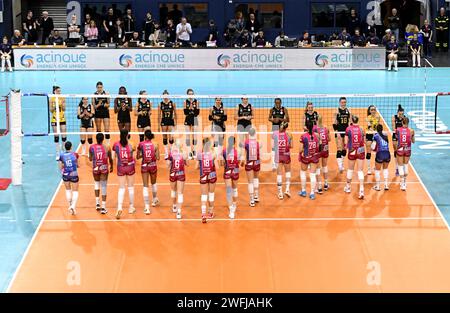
(405, 139)
(283, 143)
(308, 156)
(252, 165)
(324, 135)
(230, 162)
(177, 162)
(208, 178)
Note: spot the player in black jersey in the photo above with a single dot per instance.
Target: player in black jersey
(122, 107)
(85, 114)
(277, 115)
(218, 117)
(243, 116)
(167, 116)
(310, 115)
(341, 121)
(101, 107)
(143, 111)
(397, 121)
(191, 112)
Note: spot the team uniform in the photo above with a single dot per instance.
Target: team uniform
(100, 159)
(252, 157)
(191, 113)
(177, 162)
(282, 143)
(144, 120)
(343, 120)
(278, 113)
(86, 122)
(311, 118)
(62, 117)
(231, 170)
(371, 126)
(101, 111)
(208, 173)
(311, 151)
(398, 121)
(70, 162)
(218, 125)
(324, 144)
(125, 159)
(167, 110)
(403, 141)
(149, 160)
(356, 148)
(244, 111)
(123, 116)
(382, 149)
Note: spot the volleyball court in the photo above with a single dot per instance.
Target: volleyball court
(331, 244)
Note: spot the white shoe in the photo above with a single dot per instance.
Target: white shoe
(57, 157)
(232, 212)
(402, 186)
(369, 171)
(118, 214)
(131, 210)
(179, 215)
(256, 198)
(376, 187)
(361, 195)
(155, 201)
(280, 195)
(287, 193)
(347, 189)
(386, 187)
(252, 203)
(147, 209)
(72, 211)
(174, 209)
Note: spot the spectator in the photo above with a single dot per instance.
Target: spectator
(109, 24)
(149, 27)
(231, 34)
(392, 50)
(29, 28)
(129, 24)
(344, 37)
(184, 31)
(86, 24)
(158, 37)
(386, 38)
(213, 33)
(245, 40)
(91, 34)
(410, 31)
(275, 20)
(135, 39)
(55, 39)
(240, 22)
(279, 40)
(5, 54)
(441, 24)
(46, 24)
(118, 33)
(163, 14)
(305, 40)
(252, 25)
(354, 22)
(175, 15)
(415, 48)
(358, 40)
(259, 41)
(427, 32)
(17, 39)
(394, 23)
(334, 36)
(171, 33)
(73, 31)
(372, 40)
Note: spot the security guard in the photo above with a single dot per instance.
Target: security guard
(441, 24)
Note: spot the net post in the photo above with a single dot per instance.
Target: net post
(16, 137)
(435, 112)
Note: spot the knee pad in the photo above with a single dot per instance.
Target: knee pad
(173, 194)
(64, 139)
(204, 198)
(56, 139)
(90, 141)
(103, 187)
(165, 142)
(349, 174)
(141, 138)
(338, 154)
(360, 175)
(83, 141)
(235, 192)
(194, 142)
(171, 141)
(180, 198)
(368, 155)
(96, 185)
(107, 136)
(211, 197)
(343, 153)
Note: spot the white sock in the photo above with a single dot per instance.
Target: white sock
(131, 196)
(414, 59)
(390, 65)
(120, 197)
(303, 180)
(3, 65)
(97, 200)
(166, 150)
(325, 173)
(203, 209)
(145, 194)
(361, 180)
(58, 148)
(256, 186)
(377, 177)
(273, 157)
(319, 182)
(395, 64)
(69, 196)
(279, 182)
(251, 191)
(74, 199)
(368, 164)
(312, 177)
(103, 204)
(179, 202)
(340, 162)
(288, 180)
(386, 175)
(154, 190)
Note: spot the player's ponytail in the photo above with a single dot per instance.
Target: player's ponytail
(284, 125)
(165, 92)
(380, 132)
(400, 108)
(123, 137)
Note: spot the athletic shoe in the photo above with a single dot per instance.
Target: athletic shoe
(341, 170)
(287, 193)
(179, 215)
(280, 195)
(369, 171)
(231, 215)
(118, 214)
(57, 157)
(131, 210)
(376, 187)
(302, 193)
(252, 203)
(97, 207)
(402, 186)
(174, 209)
(312, 196)
(320, 191)
(72, 211)
(256, 198)
(147, 209)
(155, 201)
(204, 218)
(396, 173)
(194, 154)
(386, 187)
(103, 211)
(326, 186)
(347, 189)
(361, 195)
(210, 215)
(191, 157)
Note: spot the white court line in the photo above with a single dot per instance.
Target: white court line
(8, 289)
(261, 183)
(262, 219)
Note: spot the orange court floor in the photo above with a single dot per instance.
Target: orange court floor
(336, 243)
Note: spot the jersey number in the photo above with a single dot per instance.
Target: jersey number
(69, 163)
(148, 154)
(124, 154)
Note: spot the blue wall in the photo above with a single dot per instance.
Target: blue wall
(6, 26)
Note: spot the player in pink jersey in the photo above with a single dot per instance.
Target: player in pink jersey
(252, 165)
(177, 160)
(324, 135)
(405, 139)
(100, 155)
(308, 156)
(356, 153)
(208, 177)
(283, 143)
(149, 153)
(125, 171)
(230, 162)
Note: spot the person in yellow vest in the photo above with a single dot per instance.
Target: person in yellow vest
(58, 103)
(373, 119)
